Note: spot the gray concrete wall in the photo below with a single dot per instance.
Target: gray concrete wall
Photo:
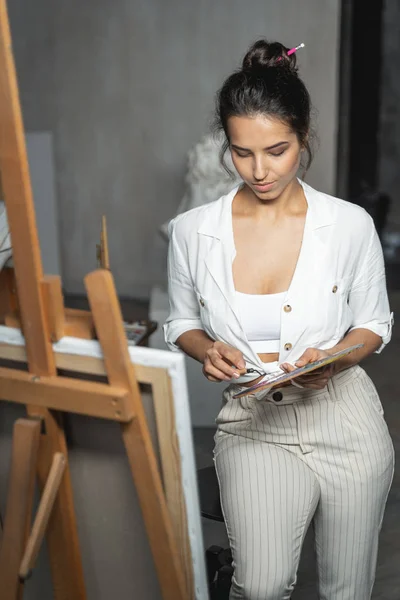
(127, 86)
(41, 164)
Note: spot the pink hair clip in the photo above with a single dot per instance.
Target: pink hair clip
(292, 50)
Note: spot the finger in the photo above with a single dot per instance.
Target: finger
(222, 366)
(316, 385)
(330, 370)
(327, 371)
(219, 363)
(303, 379)
(287, 367)
(214, 374)
(310, 355)
(315, 373)
(232, 355)
(296, 384)
(213, 379)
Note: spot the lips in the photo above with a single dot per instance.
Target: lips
(264, 187)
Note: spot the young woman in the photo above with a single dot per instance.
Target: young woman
(276, 274)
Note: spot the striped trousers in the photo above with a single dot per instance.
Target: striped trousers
(300, 456)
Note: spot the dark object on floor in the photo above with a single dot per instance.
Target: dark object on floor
(219, 571)
(210, 504)
(218, 560)
(377, 204)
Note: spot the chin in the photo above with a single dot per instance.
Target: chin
(268, 195)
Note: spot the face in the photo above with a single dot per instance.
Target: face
(265, 152)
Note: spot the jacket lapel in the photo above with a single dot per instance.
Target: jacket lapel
(218, 225)
(321, 216)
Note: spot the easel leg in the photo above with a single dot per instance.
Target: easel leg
(172, 475)
(62, 535)
(65, 560)
(42, 516)
(107, 317)
(21, 489)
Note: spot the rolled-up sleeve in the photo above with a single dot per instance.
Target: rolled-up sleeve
(184, 313)
(368, 298)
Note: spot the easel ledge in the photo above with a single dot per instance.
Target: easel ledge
(86, 356)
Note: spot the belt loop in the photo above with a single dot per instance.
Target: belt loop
(300, 412)
(332, 389)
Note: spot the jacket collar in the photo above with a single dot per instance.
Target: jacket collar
(217, 219)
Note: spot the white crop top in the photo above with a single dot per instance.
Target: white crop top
(260, 316)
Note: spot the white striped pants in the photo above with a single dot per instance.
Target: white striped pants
(322, 456)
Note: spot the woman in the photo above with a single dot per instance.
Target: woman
(275, 275)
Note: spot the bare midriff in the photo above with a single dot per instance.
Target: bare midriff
(269, 357)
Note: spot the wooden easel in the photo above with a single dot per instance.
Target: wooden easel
(103, 257)
(36, 305)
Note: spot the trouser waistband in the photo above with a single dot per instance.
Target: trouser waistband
(291, 394)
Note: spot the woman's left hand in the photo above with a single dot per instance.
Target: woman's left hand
(315, 380)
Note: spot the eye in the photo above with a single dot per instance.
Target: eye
(278, 153)
(242, 154)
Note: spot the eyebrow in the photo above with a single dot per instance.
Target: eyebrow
(268, 148)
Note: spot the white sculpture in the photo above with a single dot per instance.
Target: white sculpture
(206, 179)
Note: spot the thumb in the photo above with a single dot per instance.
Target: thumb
(305, 358)
(301, 362)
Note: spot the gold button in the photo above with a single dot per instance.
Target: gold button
(201, 301)
(287, 308)
(334, 289)
(288, 347)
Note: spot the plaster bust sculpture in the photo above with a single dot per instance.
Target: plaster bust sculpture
(206, 179)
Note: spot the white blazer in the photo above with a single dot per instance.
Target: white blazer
(338, 284)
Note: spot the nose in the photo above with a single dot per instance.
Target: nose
(260, 168)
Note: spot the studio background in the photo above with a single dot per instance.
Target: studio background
(126, 87)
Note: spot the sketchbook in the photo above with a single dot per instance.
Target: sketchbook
(277, 378)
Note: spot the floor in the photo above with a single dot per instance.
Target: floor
(383, 369)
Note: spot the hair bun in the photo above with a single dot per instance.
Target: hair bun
(263, 54)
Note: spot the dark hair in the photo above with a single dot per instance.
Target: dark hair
(267, 84)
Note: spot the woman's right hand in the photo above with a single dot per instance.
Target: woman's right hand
(222, 362)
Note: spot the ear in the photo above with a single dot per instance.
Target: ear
(305, 141)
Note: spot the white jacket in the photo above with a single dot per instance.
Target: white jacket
(338, 285)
